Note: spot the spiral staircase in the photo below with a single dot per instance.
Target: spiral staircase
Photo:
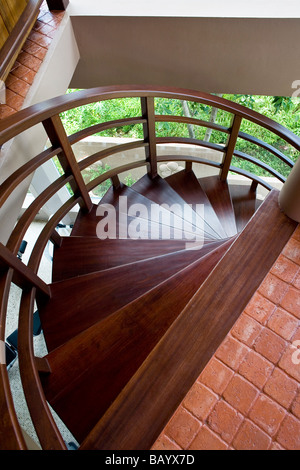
(130, 320)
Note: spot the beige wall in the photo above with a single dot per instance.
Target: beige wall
(221, 55)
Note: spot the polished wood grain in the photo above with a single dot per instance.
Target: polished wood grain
(244, 204)
(218, 194)
(153, 394)
(99, 294)
(110, 352)
(187, 186)
(11, 437)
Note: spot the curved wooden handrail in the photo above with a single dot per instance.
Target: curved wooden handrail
(30, 213)
(10, 184)
(13, 125)
(48, 113)
(77, 136)
(95, 157)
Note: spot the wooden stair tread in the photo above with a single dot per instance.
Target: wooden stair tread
(90, 370)
(77, 298)
(167, 216)
(218, 193)
(83, 255)
(187, 186)
(157, 190)
(244, 204)
(178, 359)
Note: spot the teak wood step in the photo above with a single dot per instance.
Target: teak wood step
(89, 371)
(187, 186)
(244, 204)
(84, 300)
(218, 194)
(158, 387)
(83, 255)
(147, 219)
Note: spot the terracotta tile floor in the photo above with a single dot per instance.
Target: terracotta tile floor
(248, 395)
(29, 60)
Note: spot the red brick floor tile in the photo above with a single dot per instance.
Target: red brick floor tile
(231, 352)
(240, 394)
(29, 61)
(225, 421)
(296, 281)
(207, 440)
(251, 437)
(10, 79)
(292, 250)
(260, 308)
(256, 369)
(285, 269)
(283, 323)
(24, 73)
(6, 111)
(216, 376)
(200, 401)
(246, 329)
(281, 388)
(296, 405)
(270, 345)
(290, 361)
(267, 414)
(20, 87)
(182, 428)
(34, 49)
(164, 443)
(296, 234)
(13, 100)
(276, 446)
(273, 288)
(46, 29)
(289, 433)
(291, 301)
(40, 39)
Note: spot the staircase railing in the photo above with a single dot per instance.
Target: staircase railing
(14, 271)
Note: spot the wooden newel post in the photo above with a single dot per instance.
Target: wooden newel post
(235, 128)
(149, 134)
(57, 4)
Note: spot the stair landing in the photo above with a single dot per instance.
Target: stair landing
(248, 395)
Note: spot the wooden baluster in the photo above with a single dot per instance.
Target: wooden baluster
(23, 275)
(57, 135)
(149, 134)
(115, 181)
(188, 166)
(235, 128)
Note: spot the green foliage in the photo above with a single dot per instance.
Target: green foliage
(283, 110)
